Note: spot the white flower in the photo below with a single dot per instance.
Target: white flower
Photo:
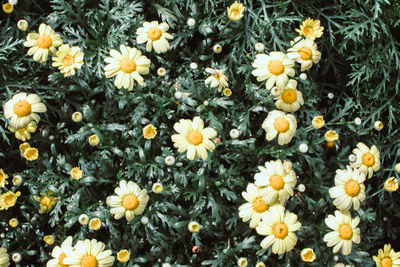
(170, 160)
(191, 22)
(331, 95)
(155, 36)
(305, 52)
(280, 124)
(217, 79)
(357, 121)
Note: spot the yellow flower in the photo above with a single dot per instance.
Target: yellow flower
(89, 253)
(378, 125)
(46, 202)
(242, 262)
(94, 140)
(95, 224)
(24, 133)
(260, 264)
(280, 124)
(127, 66)
(13, 222)
(391, 184)
(279, 227)
(60, 253)
(217, 78)
(331, 136)
(129, 201)
(42, 44)
(368, 160)
(4, 257)
(235, 11)
(17, 180)
(24, 146)
(307, 255)
(31, 154)
(49, 239)
(157, 188)
(227, 92)
(22, 25)
(68, 59)
(8, 200)
(123, 255)
(194, 227)
(289, 99)
(345, 232)
(21, 109)
(8, 8)
(318, 122)
(76, 173)
(154, 35)
(311, 29)
(3, 178)
(77, 116)
(193, 137)
(387, 257)
(149, 132)
(305, 52)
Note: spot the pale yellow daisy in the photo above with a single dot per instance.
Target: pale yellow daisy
(217, 78)
(8, 8)
(127, 66)
(279, 227)
(129, 201)
(194, 227)
(391, 184)
(311, 29)
(331, 136)
(76, 173)
(68, 59)
(8, 200)
(368, 160)
(345, 232)
(278, 180)
(305, 52)
(193, 137)
(123, 255)
(42, 44)
(289, 99)
(257, 204)
(235, 11)
(318, 122)
(274, 67)
(307, 255)
(280, 124)
(24, 133)
(387, 257)
(349, 189)
(46, 202)
(4, 258)
(31, 154)
(21, 109)
(3, 178)
(89, 253)
(155, 36)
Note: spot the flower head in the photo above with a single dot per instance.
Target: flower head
(68, 59)
(331, 136)
(77, 116)
(94, 140)
(31, 154)
(89, 253)
(43, 44)
(387, 257)
(280, 124)
(49, 239)
(318, 122)
(60, 253)
(193, 137)
(235, 11)
(83, 219)
(95, 224)
(391, 184)
(242, 262)
(3, 178)
(307, 255)
(4, 257)
(22, 25)
(46, 202)
(289, 99)
(8, 8)
(123, 255)
(24, 133)
(13, 222)
(149, 132)
(368, 160)
(155, 36)
(127, 66)
(8, 200)
(157, 188)
(194, 227)
(76, 173)
(217, 78)
(305, 52)
(227, 92)
(311, 29)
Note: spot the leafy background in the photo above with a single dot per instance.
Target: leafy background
(360, 66)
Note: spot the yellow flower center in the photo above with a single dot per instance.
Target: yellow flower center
(194, 137)
(46, 201)
(10, 200)
(259, 205)
(130, 202)
(60, 260)
(276, 67)
(22, 108)
(280, 230)
(345, 231)
(281, 124)
(308, 31)
(352, 188)
(368, 159)
(44, 41)
(305, 53)
(276, 182)
(154, 34)
(289, 96)
(386, 262)
(68, 60)
(235, 12)
(89, 261)
(127, 65)
(308, 255)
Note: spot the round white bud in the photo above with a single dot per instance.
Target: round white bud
(178, 95)
(335, 258)
(303, 148)
(275, 91)
(191, 22)
(397, 167)
(259, 47)
(303, 76)
(206, 103)
(144, 220)
(234, 133)
(193, 66)
(357, 121)
(352, 158)
(217, 48)
(170, 160)
(77, 116)
(301, 188)
(83, 219)
(331, 95)
(13, 2)
(2, 235)
(16, 257)
(378, 125)
(161, 71)
(145, 121)
(22, 25)
(166, 265)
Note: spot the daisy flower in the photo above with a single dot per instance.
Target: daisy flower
(311, 29)
(4, 257)
(129, 201)
(256, 206)
(217, 78)
(42, 44)
(307, 255)
(305, 52)
(289, 98)
(345, 231)
(274, 67)
(149, 132)
(368, 160)
(68, 59)
(278, 179)
(21, 109)
(46, 202)
(89, 253)
(193, 137)
(391, 184)
(127, 67)
(349, 189)
(279, 227)
(60, 253)
(155, 36)
(281, 124)
(3, 178)
(24, 133)
(8, 200)
(387, 257)
(235, 11)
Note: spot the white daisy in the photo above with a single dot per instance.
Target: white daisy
(89, 253)
(154, 35)
(305, 52)
(60, 253)
(217, 78)
(289, 98)
(281, 124)
(368, 160)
